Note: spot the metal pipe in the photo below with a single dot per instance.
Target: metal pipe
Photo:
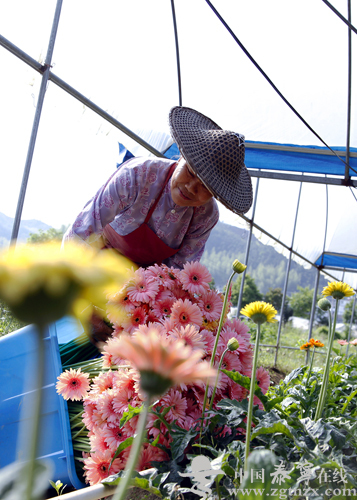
(36, 122)
(312, 314)
(247, 250)
(347, 172)
(351, 322)
(74, 93)
(287, 278)
(177, 52)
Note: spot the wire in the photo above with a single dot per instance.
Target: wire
(340, 15)
(273, 85)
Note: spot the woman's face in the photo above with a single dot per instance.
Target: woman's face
(186, 189)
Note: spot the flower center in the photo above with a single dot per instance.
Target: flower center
(195, 278)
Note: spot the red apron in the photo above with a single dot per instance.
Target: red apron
(142, 245)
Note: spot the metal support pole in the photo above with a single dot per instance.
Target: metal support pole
(46, 71)
(77, 95)
(312, 314)
(351, 322)
(287, 278)
(247, 250)
(347, 173)
(177, 52)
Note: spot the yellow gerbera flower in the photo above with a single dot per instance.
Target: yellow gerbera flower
(41, 283)
(260, 312)
(338, 290)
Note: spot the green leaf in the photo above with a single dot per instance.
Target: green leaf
(128, 442)
(245, 382)
(180, 440)
(271, 424)
(236, 411)
(132, 412)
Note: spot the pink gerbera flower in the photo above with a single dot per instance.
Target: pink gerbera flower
(190, 335)
(263, 379)
(142, 289)
(73, 384)
(211, 305)
(113, 435)
(97, 441)
(112, 354)
(184, 313)
(106, 405)
(162, 308)
(137, 317)
(102, 382)
(239, 327)
(177, 404)
(195, 277)
(97, 466)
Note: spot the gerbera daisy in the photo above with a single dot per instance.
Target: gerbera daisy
(73, 384)
(353, 342)
(140, 288)
(239, 327)
(306, 346)
(263, 379)
(195, 277)
(177, 404)
(316, 343)
(162, 308)
(106, 405)
(97, 441)
(113, 435)
(163, 362)
(184, 313)
(260, 312)
(190, 335)
(338, 290)
(342, 342)
(136, 318)
(97, 467)
(102, 382)
(211, 305)
(111, 353)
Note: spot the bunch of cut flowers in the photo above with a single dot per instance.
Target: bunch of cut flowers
(178, 305)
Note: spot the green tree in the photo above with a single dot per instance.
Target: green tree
(347, 313)
(301, 302)
(274, 296)
(51, 234)
(250, 291)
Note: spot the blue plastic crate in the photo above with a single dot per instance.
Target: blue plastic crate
(17, 366)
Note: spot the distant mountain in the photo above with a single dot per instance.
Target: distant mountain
(225, 244)
(26, 227)
(267, 266)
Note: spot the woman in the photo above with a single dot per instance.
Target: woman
(162, 211)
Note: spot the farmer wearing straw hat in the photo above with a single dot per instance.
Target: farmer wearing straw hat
(162, 211)
(157, 210)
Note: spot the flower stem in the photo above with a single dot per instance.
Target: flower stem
(325, 377)
(35, 414)
(312, 360)
(134, 453)
(216, 382)
(251, 399)
(215, 346)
